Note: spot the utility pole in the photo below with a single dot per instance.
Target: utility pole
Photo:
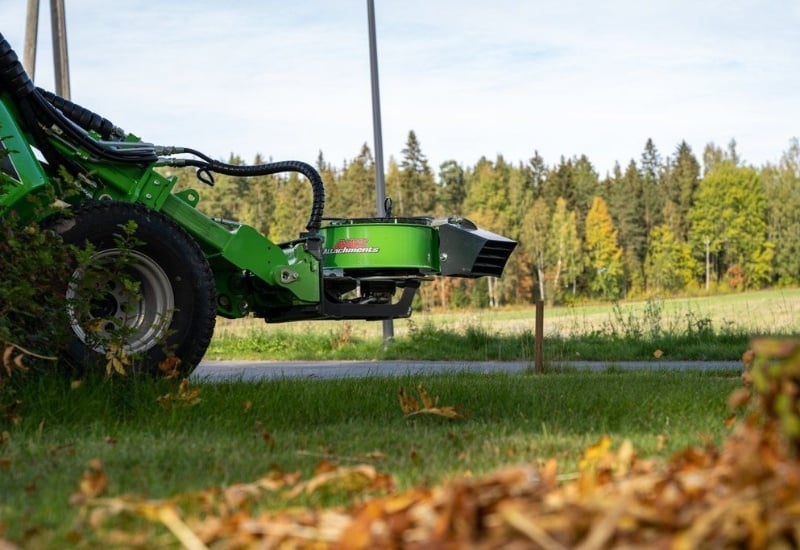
(380, 182)
(58, 26)
(31, 37)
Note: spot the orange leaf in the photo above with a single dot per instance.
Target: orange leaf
(427, 402)
(447, 412)
(91, 484)
(738, 398)
(407, 403)
(169, 367)
(410, 406)
(595, 453)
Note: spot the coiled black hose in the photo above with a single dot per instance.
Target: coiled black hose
(317, 187)
(13, 77)
(83, 117)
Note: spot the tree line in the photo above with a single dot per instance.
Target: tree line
(673, 224)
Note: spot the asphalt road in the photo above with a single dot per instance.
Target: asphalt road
(221, 371)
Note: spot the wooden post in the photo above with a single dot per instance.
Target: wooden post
(539, 338)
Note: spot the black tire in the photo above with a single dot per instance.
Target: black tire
(173, 310)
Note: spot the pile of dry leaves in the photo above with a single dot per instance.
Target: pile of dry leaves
(745, 493)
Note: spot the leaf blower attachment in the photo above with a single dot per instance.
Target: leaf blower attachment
(465, 250)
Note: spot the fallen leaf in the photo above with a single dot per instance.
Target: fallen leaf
(169, 366)
(408, 403)
(92, 483)
(738, 398)
(594, 453)
(411, 407)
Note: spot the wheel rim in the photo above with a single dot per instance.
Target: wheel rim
(133, 307)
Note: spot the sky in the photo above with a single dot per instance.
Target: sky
(471, 78)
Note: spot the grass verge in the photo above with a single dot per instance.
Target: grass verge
(478, 343)
(236, 432)
(704, 328)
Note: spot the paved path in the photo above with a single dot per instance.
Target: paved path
(215, 371)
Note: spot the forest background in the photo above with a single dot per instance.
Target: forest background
(662, 225)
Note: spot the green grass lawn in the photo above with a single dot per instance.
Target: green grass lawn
(703, 328)
(237, 432)
(52, 428)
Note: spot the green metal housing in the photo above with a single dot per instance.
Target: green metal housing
(380, 244)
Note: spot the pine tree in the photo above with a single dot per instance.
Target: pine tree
(536, 174)
(587, 185)
(577, 182)
(452, 188)
(782, 187)
(357, 186)
(522, 196)
(680, 183)
(652, 191)
(417, 188)
(626, 203)
(559, 183)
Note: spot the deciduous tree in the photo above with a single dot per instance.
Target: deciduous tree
(563, 250)
(603, 254)
(669, 265)
(730, 214)
(534, 238)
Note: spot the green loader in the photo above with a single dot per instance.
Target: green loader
(75, 172)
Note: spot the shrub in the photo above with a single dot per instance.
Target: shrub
(34, 267)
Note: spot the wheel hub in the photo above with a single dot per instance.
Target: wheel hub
(134, 308)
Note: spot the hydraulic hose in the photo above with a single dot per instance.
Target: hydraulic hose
(317, 187)
(13, 77)
(83, 117)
